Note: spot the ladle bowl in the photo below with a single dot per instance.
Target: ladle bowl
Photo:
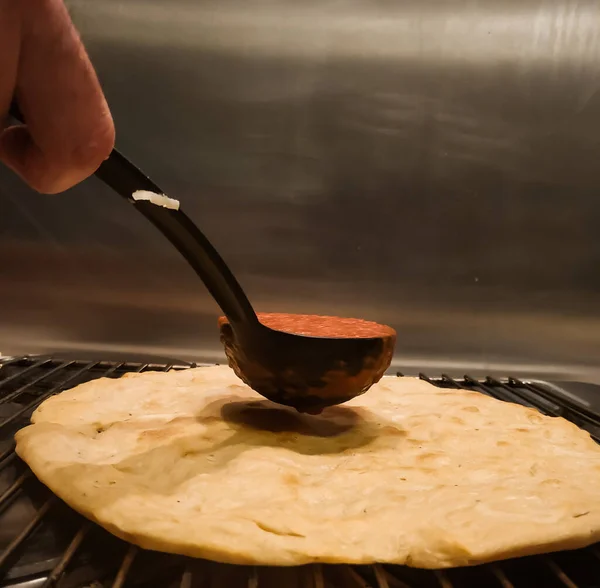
(321, 362)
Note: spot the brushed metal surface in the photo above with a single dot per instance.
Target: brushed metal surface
(433, 165)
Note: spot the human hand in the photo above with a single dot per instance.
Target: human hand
(69, 130)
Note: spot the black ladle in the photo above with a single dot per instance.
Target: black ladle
(308, 373)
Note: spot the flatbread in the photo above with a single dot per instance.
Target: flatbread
(194, 462)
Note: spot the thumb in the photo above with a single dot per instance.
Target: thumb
(69, 130)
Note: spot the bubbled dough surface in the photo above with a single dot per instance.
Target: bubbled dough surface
(194, 462)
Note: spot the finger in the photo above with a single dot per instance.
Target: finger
(69, 129)
(9, 54)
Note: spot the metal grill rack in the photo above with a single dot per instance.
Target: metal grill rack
(43, 543)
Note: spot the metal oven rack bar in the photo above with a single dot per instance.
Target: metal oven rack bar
(88, 556)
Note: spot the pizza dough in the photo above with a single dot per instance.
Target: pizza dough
(194, 462)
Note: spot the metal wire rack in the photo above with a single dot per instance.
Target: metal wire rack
(43, 543)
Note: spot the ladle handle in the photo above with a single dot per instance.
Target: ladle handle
(124, 178)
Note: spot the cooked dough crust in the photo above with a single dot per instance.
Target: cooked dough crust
(194, 462)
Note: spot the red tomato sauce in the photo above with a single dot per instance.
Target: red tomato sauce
(313, 325)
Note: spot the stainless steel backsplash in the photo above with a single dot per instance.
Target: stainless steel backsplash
(434, 165)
